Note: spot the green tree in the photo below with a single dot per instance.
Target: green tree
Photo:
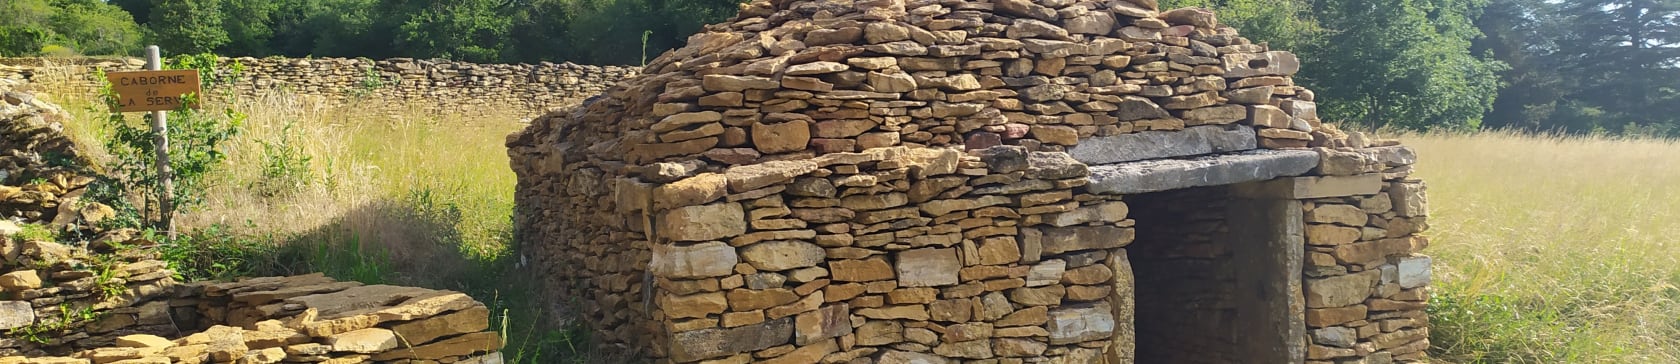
(187, 26)
(1283, 24)
(537, 32)
(94, 27)
(32, 27)
(1523, 34)
(470, 30)
(1401, 62)
(1385, 62)
(248, 26)
(610, 31)
(338, 28)
(1586, 66)
(24, 30)
(17, 41)
(141, 10)
(1624, 59)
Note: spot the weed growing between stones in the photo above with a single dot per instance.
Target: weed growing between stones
(42, 331)
(35, 232)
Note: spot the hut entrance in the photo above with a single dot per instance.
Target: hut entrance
(1217, 277)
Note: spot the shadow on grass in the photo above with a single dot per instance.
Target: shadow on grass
(415, 241)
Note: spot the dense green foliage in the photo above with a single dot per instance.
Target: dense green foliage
(587, 31)
(1580, 66)
(65, 27)
(1587, 65)
(1403, 63)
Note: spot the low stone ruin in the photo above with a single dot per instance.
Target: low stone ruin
(1005, 181)
(128, 310)
(110, 300)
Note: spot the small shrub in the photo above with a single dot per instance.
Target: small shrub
(285, 166)
(371, 81)
(348, 259)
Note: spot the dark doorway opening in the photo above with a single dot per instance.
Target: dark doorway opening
(1217, 278)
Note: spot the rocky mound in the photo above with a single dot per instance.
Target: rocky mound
(42, 173)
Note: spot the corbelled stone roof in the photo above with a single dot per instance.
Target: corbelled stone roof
(792, 79)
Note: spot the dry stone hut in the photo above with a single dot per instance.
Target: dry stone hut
(1005, 181)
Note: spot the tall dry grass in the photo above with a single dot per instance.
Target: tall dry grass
(1553, 249)
(363, 192)
(351, 159)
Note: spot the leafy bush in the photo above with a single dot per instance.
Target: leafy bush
(196, 142)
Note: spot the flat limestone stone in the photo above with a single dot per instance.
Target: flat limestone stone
(478, 342)
(1164, 144)
(460, 322)
(927, 267)
(1080, 323)
(1300, 188)
(1414, 272)
(1340, 291)
(1224, 169)
(704, 260)
(689, 346)
(365, 306)
(366, 341)
(15, 314)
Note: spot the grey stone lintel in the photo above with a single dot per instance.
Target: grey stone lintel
(1196, 140)
(1210, 170)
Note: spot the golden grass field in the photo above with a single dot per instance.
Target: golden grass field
(1553, 249)
(1549, 249)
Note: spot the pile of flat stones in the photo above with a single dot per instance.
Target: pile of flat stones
(79, 309)
(85, 295)
(41, 179)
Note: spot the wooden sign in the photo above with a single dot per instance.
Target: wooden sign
(153, 90)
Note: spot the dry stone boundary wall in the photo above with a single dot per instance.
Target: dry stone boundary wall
(929, 181)
(435, 86)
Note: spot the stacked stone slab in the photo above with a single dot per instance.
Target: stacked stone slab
(41, 179)
(888, 181)
(93, 296)
(122, 306)
(436, 86)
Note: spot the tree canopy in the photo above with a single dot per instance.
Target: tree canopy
(1577, 66)
(64, 27)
